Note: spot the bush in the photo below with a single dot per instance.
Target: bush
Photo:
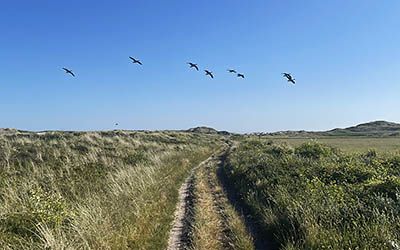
(313, 150)
(280, 150)
(318, 197)
(393, 165)
(41, 207)
(136, 158)
(390, 187)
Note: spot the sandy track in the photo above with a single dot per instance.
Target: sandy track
(181, 233)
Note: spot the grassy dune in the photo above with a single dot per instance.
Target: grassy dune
(316, 197)
(93, 190)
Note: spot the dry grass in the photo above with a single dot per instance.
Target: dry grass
(208, 225)
(97, 190)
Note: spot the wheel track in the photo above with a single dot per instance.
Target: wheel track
(219, 200)
(181, 234)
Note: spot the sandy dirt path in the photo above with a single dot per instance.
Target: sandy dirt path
(204, 217)
(181, 232)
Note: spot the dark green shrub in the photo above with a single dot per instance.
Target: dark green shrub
(136, 157)
(394, 165)
(81, 148)
(313, 150)
(280, 150)
(42, 207)
(390, 186)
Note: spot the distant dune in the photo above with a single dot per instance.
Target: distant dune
(375, 129)
(207, 130)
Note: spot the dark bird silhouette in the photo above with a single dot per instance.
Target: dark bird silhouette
(209, 73)
(193, 65)
(289, 77)
(116, 124)
(135, 61)
(232, 71)
(240, 75)
(69, 72)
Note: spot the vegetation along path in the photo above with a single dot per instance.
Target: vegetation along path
(204, 217)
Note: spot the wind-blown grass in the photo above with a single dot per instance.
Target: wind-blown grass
(93, 190)
(316, 197)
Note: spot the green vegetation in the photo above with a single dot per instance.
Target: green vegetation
(348, 144)
(98, 190)
(379, 135)
(119, 189)
(314, 196)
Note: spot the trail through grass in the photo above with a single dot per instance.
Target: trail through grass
(217, 224)
(93, 190)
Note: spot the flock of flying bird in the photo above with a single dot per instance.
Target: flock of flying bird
(288, 76)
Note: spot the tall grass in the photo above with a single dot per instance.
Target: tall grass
(316, 197)
(93, 190)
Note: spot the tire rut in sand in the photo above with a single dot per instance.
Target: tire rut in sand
(204, 217)
(181, 235)
(220, 204)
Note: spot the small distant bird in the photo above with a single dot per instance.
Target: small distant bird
(135, 61)
(240, 75)
(68, 71)
(193, 65)
(209, 73)
(232, 71)
(116, 124)
(289, 77)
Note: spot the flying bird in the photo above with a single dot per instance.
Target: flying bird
(209, 73)
(68, 71)
(135, 61)
(232, 71)
(240, 75)
(289, 77)
(193, 65)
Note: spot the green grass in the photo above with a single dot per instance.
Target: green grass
(316, 197)
(349, 144)
(94, 190)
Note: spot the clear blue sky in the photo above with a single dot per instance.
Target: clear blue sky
(344, 54)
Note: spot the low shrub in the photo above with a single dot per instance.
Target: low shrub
(316, 197)
(313, 150)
